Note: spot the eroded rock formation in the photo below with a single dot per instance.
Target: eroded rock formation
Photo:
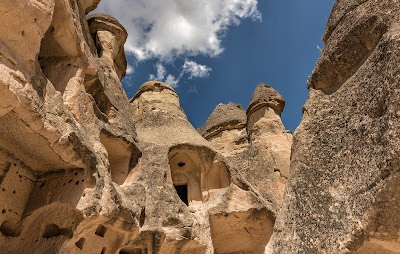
(85, 170)
(255, 141)
(343, 192)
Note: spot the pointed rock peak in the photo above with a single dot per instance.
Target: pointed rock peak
(154, 86)
(265, 95)
(103, 22)
(224, 117)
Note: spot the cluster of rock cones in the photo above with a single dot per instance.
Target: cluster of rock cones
(83, 169)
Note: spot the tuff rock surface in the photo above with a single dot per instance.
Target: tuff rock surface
(85, 170)
(343, 194)
(255, 141)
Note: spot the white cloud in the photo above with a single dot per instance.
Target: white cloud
(167, 28)
(196, 70)
(160, 76)
(191, 68)
(130, 69)
(172, 81)
(160, 73)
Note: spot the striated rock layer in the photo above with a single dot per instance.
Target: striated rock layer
(85, 170)
(343, 194)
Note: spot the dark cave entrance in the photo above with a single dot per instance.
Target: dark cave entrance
(182, 191)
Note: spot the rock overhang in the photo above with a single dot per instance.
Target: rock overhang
(265, 95)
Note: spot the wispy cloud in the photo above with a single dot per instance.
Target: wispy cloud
(172, 81)
(130, 69)
(196, 70)
(160, 73)
(169, 28)
(189, 68)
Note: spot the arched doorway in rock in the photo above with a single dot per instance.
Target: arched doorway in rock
(123, 156)
(195, 171)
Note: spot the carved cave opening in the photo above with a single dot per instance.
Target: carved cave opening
(56, 50)
(33, 177)
(122, 156)
(194, 173)
(182, 191)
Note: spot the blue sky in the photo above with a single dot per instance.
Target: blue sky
(280, 49)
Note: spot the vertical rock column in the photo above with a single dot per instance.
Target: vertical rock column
(269, 142)
(343, 195)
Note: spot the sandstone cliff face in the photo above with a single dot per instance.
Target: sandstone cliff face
(85, 170)
(343, 192)
(62, 107)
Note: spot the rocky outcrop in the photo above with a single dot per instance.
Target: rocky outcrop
(343, 192)
(265, 96)
(85, 170)
(270, 144)
(89, 5)
(203, 196)
(62, 108)
(224, 117)
(109, 36)
(255, 142)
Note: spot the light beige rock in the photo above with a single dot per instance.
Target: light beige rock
(85, 170)
(110, 37)
(343, 191)
(224, 117)
(270, 144)
(89, 5)
(54, 157)
(257, 144)
(203, 179)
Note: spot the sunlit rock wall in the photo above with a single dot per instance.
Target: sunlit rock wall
(343, 194)
(85, 170)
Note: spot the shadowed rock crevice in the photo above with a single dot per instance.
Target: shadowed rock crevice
(58, 49)
(122, 157)
(52, 230)
(344, 57)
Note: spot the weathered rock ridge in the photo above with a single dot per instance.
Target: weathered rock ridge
(343, 194)
(85, 170)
